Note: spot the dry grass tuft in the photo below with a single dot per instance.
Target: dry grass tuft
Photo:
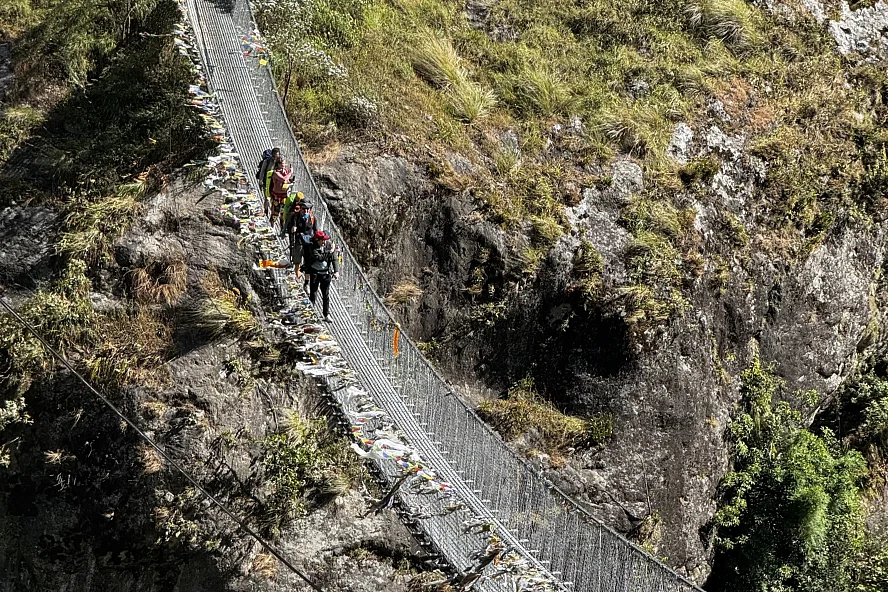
(265, 565)
(544, 92)
(135, 344)
(152, 462)
(469, 101)
(93, 225)
(222, 312)
(436, 61)
(159, 282)
(732, 21)
(523, 409)
(54, 457)
(407, 291)
(156, 409)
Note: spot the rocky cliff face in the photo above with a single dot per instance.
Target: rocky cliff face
(86, 505)
(672, 393)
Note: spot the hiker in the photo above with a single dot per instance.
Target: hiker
(288, 208)
(279, 186)
(322, 265)
(266, 165)
(301, 226)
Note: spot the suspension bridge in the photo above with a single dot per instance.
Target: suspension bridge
(553, 535)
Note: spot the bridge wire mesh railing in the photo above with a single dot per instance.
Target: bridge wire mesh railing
(580, 551)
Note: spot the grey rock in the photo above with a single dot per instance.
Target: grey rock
(627, 177)
(27, 235)
(509, 140)
(717, 110)
(679, 147)
(863, 31)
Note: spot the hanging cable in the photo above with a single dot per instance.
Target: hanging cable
(267, 546)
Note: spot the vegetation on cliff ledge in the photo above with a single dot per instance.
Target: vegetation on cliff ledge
(791, 514)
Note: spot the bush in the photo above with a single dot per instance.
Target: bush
(790, 515)
(304, 466)
(63, 316)
(523, 410)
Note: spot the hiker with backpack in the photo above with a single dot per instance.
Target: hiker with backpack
(266, 165)
(300, 226)
(322, 265)
(288, 208)
(279, 186)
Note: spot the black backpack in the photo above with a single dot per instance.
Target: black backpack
(265, 156)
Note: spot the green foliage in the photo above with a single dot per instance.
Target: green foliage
(701, 170)
(134, 344)
(92, 225)
(130, 114)
(541, 91)
(16, 124)
(469, 101)
(790, 515)
(437, 62)
(15, 15)
(523, 409)
(588, 266)
(303, 466)
(659, 261)
(75, 37)
(62, 314)
(862, 415)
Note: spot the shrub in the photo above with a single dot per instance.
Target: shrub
(62, 314)
(303, 459)
(790, 515)
(523, 409)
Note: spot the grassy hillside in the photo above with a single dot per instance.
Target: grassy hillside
(576, 83)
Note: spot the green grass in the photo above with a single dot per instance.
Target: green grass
(437, 62)
(629, 72)
(523, 409)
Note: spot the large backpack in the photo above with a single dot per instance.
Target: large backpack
(265, 156)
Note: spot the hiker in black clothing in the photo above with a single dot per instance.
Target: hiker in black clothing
(301, 226)
(322, 265)
(266, 165)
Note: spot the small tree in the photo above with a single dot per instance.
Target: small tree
(790, 516)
